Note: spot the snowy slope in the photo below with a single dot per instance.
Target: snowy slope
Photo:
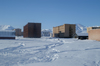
(80, 28)
(6, 27)
(49, 52)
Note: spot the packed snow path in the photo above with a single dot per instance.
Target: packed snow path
(49, 51)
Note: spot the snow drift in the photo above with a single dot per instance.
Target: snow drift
(49, 52)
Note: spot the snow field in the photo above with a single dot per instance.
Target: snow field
(47, 51)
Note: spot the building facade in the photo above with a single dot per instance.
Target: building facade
(94, 34)
(91, 28)
(32, 30)
(18, 32)
(7, 34)
(64, 31)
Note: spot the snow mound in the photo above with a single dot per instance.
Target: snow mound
(6, 27)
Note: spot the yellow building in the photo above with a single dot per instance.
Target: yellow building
(64, 31)
(91, 28)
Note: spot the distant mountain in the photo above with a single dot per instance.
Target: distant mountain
(81, 29)
(46, 32)
(6, 27)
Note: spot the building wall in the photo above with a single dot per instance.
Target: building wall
(18, 32)
(58, 29)
(7, 34)
(37, 30)
(61, 28)
(61, 31)
(25, 32)
(94, 34)
(70, 29)
(73, 28)
(55, 31)
(64, 30)
(32, 30)
(90, 28)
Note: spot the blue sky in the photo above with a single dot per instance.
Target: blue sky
(50, 13)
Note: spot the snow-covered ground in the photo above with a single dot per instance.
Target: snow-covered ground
(47, 51)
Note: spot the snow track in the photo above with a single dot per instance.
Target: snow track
(23, 55)
(49, 52)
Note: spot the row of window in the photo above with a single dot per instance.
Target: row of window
(7, 33)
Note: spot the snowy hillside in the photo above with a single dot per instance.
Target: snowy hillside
(6, 27)
(49, 52)
(80, 28)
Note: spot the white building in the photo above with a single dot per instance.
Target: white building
(7, 34)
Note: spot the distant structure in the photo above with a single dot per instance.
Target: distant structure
(91, 28)
(94, 34)
(32, 30)
(18, 32)
(21, 33)
(7, 34)
(82, 36)
(51, 34)
(45, 32)
(64, 31)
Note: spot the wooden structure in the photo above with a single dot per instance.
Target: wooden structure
(32, 30)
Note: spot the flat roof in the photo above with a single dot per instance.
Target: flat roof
(82, 34)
